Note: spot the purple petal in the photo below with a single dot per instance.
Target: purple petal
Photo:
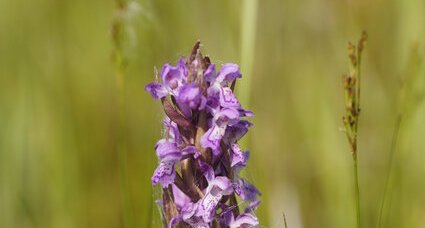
(237, 157)
(172, 129)
(214, 90)
(203, 103)
(188, 150)
(208, 206)
(227, 116)
(206, 170)
(246, 190)
(216, 152)
(247, 113)
(227, 216)
(190, 95)
(244, 220)
(210, 74)
(228, 73)
(172, 77)
(211, 138)
(164, 174)
(181, 65)
(220, 185)
(228, 99)
(192, 215)
(167, 151)
(188, 211)
(252, 206)
(197, 222)
(213, 104)
(236, 132)
(180, 199)
(157, 90)
(185, 109)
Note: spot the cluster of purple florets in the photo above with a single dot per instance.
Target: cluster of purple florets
(200, 158)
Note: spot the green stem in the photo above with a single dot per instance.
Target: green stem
(390, 164)
(357, 189)
(249, 25)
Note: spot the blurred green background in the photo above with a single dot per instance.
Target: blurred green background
(59, 107)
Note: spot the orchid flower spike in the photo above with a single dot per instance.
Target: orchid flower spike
(199, 157)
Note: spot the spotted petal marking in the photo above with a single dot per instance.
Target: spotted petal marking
(228, 99)
(164, 174)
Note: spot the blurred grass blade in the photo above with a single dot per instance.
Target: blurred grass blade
(249, 26)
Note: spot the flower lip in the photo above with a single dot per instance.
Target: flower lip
(227, 98)
(164, 174)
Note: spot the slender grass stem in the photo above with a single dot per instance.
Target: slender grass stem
(390, 164)
(357, 190)
(405, 109)
(249, 25)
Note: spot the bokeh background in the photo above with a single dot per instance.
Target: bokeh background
(60, 111)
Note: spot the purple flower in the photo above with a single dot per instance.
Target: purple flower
(180, 199)
(168, 153)
(227, 74)
(246, 190)
(237, 157)
(189, 97)
(222, 119)
(172, 130)
(252, 206)
(235, 132)
(218, 186)
(172, 79)
(157, 90)
(203, 125)
(244, 220)
(219, 84)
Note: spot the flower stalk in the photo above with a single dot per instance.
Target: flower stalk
(199, 156)
(352, 110)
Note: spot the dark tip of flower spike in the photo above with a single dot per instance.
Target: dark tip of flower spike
(195, 51)
(207, 60)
